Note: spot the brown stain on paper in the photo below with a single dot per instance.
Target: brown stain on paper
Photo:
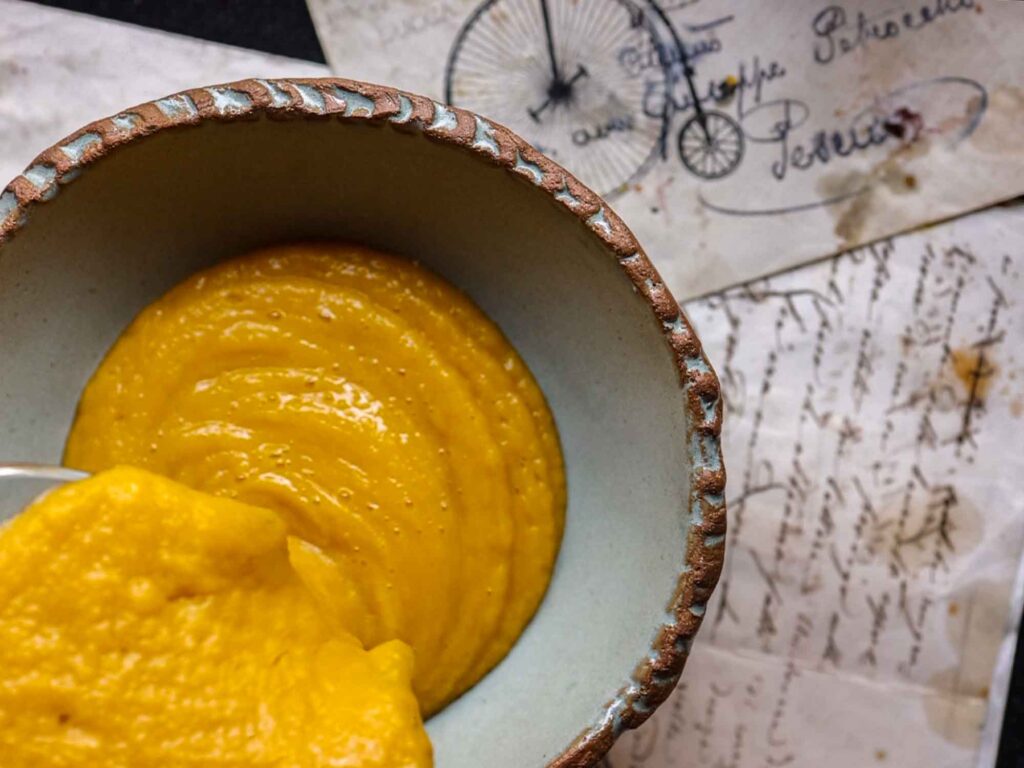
(999, 131)
(889, 174)
(956, 710)
(925, 534)
(973, 370)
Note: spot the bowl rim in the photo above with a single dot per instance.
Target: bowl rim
(655, 675)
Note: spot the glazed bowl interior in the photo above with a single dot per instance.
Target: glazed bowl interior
(156, 210)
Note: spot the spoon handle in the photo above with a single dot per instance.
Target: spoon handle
(27, 470)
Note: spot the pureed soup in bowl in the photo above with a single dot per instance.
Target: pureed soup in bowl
(413, 482)
(287, 379)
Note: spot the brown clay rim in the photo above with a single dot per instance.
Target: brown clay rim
(655, 675)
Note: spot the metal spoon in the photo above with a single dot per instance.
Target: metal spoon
(21, 482)
(31, 471)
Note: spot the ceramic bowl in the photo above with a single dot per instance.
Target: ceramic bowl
(170, 187)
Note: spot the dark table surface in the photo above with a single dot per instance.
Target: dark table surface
(284, 27)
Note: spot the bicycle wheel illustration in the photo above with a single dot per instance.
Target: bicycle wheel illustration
(573, 78)
(712, 150)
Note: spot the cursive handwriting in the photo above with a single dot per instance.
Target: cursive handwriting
(390, 30)
(637, 59)
(838, 33)
(747, 86)
(750, 83)
(825, 145)
(776, 121)
(581, 137)
(888, 119)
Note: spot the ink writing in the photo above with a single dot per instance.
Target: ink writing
(838, 32)
(581, 137)
(391, 30)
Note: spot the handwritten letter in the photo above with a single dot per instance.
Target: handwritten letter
(875, 403)
(830, 123)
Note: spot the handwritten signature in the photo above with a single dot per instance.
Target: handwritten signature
(581, 137)
(656, 55)
(747, 85)
(839, 32)
(887, 119)
(781, 121)
(784, 124)
(864, 132)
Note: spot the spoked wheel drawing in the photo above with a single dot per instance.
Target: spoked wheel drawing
(589, 83)
(573, 77)
(711, 150)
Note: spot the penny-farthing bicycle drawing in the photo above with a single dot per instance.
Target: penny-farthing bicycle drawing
(575, 78)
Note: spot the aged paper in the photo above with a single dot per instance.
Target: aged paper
(60, 70)
(832, 124)
(875, 407)
(1002, 678)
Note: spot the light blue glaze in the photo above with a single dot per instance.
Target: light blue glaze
(404, 110)
(714, 540)
(698, 364)
(676, 327)
(177, 106)
(641, 707)
(355, 103)
(126, 122)
(696, 513)
(705, 452)
(629, 260)
(312, 99)
(707, 406)
(40, 175)
(483, 138)
(659, 680)
(629, 694)
(600, 221)
(565, 196)
(228, 101)
(530, 169)
(8, 204)
(444, 118)
(614, 714)
(698, 609)
(75, 150)
(712, 452)
(279, 97)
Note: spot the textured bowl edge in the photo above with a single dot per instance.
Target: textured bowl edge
(656, 675)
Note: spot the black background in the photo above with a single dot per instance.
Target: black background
(284, 27)
(275, 26)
